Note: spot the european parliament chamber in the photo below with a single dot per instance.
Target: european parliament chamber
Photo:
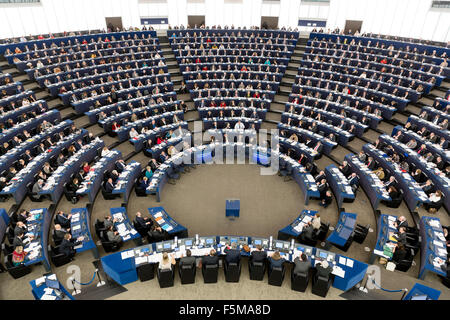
(224, 150)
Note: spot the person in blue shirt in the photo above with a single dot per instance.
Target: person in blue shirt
(276, 260)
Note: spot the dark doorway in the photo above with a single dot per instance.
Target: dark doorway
(196, 20)
(351, 26)
(269, 22)
(113, 23)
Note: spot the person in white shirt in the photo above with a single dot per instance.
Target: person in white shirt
(239, 125)
(105, 151)
(133, 133)
(166, 261)
(316, 221)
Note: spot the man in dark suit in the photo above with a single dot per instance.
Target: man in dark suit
(370, 163)
(109, 186)
(401, 222)
(188, 259)
(258, 255)
(353, 181)
(232, 254)
(320, 176)
(318, 147)
(67, 245)
(63, 219)
(163, 157)
(157, 234)
(211, 259)
(322, 186)
(345, 168)
(144, 223)
(120, 165)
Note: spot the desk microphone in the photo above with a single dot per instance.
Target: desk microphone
(196, 239)
(292, 244)
(175, 240)
(270, 242)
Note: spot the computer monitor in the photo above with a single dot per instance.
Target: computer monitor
(279, 245)
(54, 284)
(420, 297)
(234, 240)
(323, 255)
(209, 241)
(188, 243)
(167, 245)
(257, 242)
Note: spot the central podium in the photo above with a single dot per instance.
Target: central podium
(232, 208)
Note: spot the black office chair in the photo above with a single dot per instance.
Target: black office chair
(58, 259)
(108, 195)
(140, 192)
(256, 270)
(109, 246)
(142, 231)
(7, 249)
(57, 241)
(299, 281)
(361, 233)
(232, 271)
(146, 271)
(321, 285)
(322, 232)
(16, 272)
(406, 263)
(165, 277)
(276, 276)
(187, 273)
(395, 203)
(99, 226)
(210, 273)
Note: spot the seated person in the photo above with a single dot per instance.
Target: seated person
(400, 253)
(20, 228)
(59, 233)
(166, 262)
(157, 234)
(188, 259)
(316, 221)
(232, 254)
(323, 269)
(37, 187)
(143, 222)
(327, 199)
(109, 186)
(401, 222)
(67, 245)
(275, 260)
(109, 222)
(301, 264)
(211, 259)
(18, 256)
(436, 200)
(63, 219)
(258, 255)
(113, 236)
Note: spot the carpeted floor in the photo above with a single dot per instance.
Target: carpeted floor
(197, 201)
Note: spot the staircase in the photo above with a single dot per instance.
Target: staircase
(277, 106)
(175, 75)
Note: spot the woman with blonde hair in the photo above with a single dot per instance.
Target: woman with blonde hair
(18, 256)
(166, 261)
(380, 173)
